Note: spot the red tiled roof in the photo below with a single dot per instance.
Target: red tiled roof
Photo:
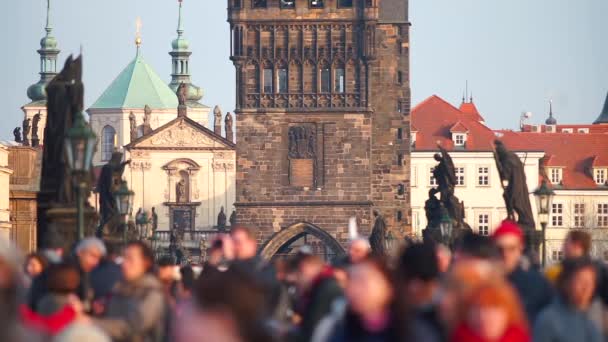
(459, 127)
(470, 109)
(434, 118)
(575, 128)
(576, 154)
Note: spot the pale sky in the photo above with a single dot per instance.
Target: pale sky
(516, 55)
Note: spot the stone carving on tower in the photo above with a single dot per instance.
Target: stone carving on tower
(35, 125)
(132, 127)
(147, 128)
(182, 97)
(26, 131)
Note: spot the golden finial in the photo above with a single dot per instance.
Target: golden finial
(138, 33)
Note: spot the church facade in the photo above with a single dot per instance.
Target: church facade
(182, 172)
(323, 102)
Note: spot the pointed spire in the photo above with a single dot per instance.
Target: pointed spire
(48, 60)
(551, 120)
(180, 28)
(138, 40)
(180, 61)
(603, 118)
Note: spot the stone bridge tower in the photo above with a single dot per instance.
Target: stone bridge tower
(323, 104)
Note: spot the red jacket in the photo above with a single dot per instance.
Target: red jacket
(49, 325)
(513, 334)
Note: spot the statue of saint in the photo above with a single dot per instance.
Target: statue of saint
(133, 126)
(180, 192)
(378, 237)
(233, 219)
(26, 131)
(109, 181)
(228, 125)
(221, 220)
(35, 124)
(17, 134)
(154, 220)
(147, 119)
(182, 94)
(445, 174)
(513, 179)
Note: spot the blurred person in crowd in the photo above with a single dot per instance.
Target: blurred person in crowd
(62, 285)
(184, 290)
(11, 328)
(340, 266)
(578, 245)
(464, 277)
(573, 315)
(35, 264)
(78, 332)
(493, 313)
(476, 247)
(444, 258)
(103, 279)
(167, 272)
(242, 246)
(228, 307)
(215, 253)
(88, 253)
(373, 313)
(317, 290)
(534, 290)
(418, 276)
(359, 249)
(137, 310)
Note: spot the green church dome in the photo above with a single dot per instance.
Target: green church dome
(136, 86)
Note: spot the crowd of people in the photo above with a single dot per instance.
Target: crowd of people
(480, 289)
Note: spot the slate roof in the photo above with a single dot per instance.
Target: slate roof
(136, 86)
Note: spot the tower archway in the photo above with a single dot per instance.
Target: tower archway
(288, 241)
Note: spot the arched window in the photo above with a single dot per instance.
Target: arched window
(108, 142)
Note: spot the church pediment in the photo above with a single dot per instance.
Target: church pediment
(181, 133)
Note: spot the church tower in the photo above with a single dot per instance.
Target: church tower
(180, 63)
(48, 70)
(322, 110)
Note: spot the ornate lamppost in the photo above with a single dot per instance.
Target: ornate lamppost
(124, 203)
(80, 143)
(446, 227)
(544, 198)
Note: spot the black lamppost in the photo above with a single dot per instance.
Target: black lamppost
(544, 199)
(80, 143)
(124, 203)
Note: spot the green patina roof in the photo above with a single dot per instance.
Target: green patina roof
(136, 86)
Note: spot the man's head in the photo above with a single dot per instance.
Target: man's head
(89, 252)
(138, 260)
(358, 250)
(577, 282)
(419, 272)
(509, 239)
(577, 244)
(475, 246)
(307, 267)
(166, 269)
(244, 242)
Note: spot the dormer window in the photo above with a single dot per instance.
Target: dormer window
(555, 175)
(600, 176)
(459, 139)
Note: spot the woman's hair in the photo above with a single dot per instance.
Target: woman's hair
(38, 257)
(63, 278)
(502, 295)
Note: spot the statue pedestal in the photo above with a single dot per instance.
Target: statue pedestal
(63, 221)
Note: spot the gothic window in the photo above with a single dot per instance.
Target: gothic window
(267, 79)
(400, 189)
(399, 159)
(345, 3)
(259, 3)
(399, 133)
(325, 79)
(282, 80)
(399, 216)
(400, 77)
(316, 3)
(108, 142)
(310, 77)
(288, 4)
(340, 80)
